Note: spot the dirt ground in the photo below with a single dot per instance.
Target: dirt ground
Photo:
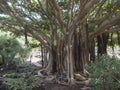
(61, 87)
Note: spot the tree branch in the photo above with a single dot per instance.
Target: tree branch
(114, 29)
(106, 25)
(22, 22)
(58, 14)
(82, 13)
(84, 10)
(39, 38)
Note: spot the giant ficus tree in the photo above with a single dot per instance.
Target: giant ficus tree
(66, 28)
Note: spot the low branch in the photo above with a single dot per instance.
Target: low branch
(106, 25)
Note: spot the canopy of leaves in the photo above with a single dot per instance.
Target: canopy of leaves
(43, 17)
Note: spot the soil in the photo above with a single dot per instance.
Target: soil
(61, 87)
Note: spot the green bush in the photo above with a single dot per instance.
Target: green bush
(11, 51)
(105, 73)
(13, 75)
(22, 83)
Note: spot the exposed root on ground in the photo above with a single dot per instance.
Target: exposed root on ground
(62, 79)
(79, 77)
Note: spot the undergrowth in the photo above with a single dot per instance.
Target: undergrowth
(105, 73)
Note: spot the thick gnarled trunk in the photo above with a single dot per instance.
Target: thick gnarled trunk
(70, 55)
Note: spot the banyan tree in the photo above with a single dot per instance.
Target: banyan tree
(67, 29)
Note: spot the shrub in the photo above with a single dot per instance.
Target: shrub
(105, 73)
(21, 83)
(13, 75)
(11, 51)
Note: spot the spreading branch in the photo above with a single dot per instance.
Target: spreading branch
(106, 25)
(58, 14)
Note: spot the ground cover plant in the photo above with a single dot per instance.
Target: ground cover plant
(105, 73)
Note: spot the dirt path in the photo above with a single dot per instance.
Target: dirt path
(35, 58)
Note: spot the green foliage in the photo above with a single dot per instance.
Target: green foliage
(105, 73)
(112, 6)
(33, 43)
(24, 53)
(23, 79)
(10, 51)
(27, 69)
(22, 83)
(13, 75)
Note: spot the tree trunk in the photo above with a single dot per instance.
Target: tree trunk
(92, 49)
(42, 59)
(77, 52)
(70, 55)
(54, 61)
(25, 34)
(102, 43)
(118, 37)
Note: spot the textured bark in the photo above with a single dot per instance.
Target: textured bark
(102, 41)
(76, 52)
(84, 54)
(45, 57)
(92, 49)
(54, 61)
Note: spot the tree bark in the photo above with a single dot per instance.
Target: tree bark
(92, 49)
(102, 43)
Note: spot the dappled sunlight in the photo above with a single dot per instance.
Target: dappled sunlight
(35, 58)
(114, 51)
(55, 42)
